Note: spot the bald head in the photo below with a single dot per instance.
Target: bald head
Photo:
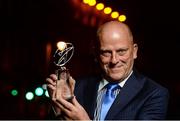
(115, 29)
(116, 50)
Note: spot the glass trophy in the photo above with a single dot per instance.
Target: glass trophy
(61, 56)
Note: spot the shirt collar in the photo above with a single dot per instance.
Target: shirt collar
(104, 82)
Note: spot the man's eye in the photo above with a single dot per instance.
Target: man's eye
(105, 53)
(122, 52)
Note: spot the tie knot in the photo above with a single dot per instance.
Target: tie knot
(112, 86)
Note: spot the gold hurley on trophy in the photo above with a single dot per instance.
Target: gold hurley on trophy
(65, 83)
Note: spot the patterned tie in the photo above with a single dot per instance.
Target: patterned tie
(108, 99)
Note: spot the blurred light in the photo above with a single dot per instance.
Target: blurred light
(122, 18)
(39, 91)
(46, 93)
(44, 86)
(107, 10)
(61, 45)
(29, 95)
(86, 1)
(114, 14)
(92, 2)
(14, 92)
(100, 6)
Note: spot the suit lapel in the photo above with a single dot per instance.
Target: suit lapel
(130, 90)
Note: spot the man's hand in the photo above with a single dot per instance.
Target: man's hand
(51, 86)
(58, 89)
(72, 110)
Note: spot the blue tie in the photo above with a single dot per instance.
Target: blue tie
(108, 99)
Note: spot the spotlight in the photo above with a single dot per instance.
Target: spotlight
(107, 10)
(122, 18)
(39, 91)
(29, 96)
(14, 92)
(114, 14)
(100, 6)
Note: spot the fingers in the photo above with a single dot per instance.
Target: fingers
(66, 105)
(60, 109)
(53, 77)
(72, 83)
(75, 102)
(56, 108)
(73, 110)
(50, 82)
(57, 104)
(51, 85)
(52, 91)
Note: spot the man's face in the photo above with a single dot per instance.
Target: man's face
(117, 54)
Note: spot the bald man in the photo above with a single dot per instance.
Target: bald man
(136, 97)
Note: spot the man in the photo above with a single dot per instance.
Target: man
(136, 96)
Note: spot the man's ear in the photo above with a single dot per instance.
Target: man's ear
(135, 50)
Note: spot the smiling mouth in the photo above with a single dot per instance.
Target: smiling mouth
(115, 66)
(115, 69)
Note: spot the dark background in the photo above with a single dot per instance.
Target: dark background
(29, 30)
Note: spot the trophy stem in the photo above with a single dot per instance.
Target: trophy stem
(59, 70)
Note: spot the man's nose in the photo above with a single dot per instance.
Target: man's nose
(114, 58)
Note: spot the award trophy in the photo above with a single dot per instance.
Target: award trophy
(61, 56)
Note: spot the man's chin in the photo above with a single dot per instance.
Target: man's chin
(115, 78)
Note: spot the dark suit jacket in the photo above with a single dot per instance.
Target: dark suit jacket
(140, 98)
